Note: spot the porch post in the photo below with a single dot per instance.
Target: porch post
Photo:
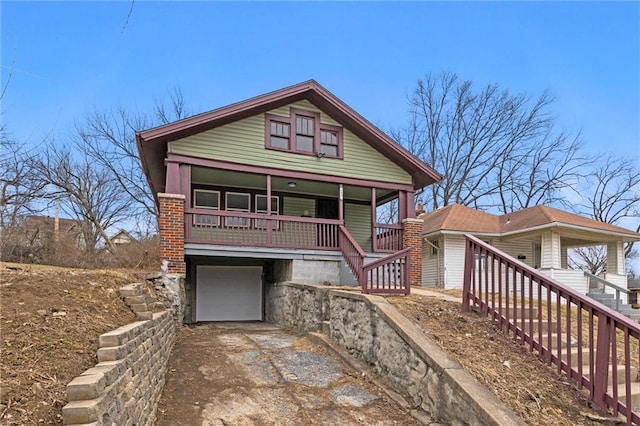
(411, 204)
(341, 204)
(185, 183)
(412, 238)
(615, 258)
(172, 180)
(268, 222)
(550, 251)
(402, 205)
(374, 220)
(171, 227)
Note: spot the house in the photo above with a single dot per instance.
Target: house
(122, 237)
(282, 186)
(539, 236)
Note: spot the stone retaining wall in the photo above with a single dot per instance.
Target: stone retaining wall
(125, 386)
(374, 331)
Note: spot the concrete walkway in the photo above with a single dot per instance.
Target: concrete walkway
(435, 294)
(260, 374)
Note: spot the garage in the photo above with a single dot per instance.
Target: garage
(228, 293)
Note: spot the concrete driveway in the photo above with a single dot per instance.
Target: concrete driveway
(260, 374)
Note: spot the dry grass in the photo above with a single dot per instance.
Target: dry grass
(515, 375)
(50, 321)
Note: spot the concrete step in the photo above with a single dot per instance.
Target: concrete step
(519, 313)
(551, 326)
(635, 393)
(621, 368)
(601, 296)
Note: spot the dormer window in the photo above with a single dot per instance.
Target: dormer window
(303, 133)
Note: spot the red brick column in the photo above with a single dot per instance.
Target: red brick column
(412, 237)
(172, 231)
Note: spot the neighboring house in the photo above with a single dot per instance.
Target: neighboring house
(283, 186)
(122, 237)
(539, 236)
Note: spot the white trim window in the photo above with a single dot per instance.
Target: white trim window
(237, 202)
(261, 207)
(206, 199)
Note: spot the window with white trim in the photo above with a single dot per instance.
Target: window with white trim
(237, 202)
(206, 199)
(261, 207)
(303, 133)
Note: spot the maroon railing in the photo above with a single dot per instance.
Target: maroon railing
(596, 347)
(352, 252)
(388, 238)
(260, 230)
(388, 275)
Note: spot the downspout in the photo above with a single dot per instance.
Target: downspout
(438, 282)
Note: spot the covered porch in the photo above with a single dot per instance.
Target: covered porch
(226, 205)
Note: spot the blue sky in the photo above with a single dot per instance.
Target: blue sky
(69, 57)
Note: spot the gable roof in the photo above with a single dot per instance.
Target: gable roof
(458, 218)
(152, 143)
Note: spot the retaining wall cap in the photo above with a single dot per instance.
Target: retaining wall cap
(491, 409)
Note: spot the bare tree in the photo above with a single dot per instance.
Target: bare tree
(86, 191)
(108, 139)
(611, 194)
(591, 258)
(495, 150)
(22, 193)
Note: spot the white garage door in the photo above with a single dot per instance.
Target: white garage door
(228, 293)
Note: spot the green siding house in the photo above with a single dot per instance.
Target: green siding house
(283, 186)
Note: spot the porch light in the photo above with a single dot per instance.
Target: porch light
(291, 184)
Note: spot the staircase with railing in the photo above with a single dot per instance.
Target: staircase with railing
(613, 298)
(388, 275)
(597, 348)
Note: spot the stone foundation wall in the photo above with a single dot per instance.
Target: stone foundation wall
(372, 330)
(125, 386)
(297, 306)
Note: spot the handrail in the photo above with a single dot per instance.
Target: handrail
(390, 274)
(386, 259)
(352, 252)
(606, 283)
(592, 349)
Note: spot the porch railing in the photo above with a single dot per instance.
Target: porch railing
(388, 238)
(389, 275)
(596, 347)
(259, 230)
(352, 252)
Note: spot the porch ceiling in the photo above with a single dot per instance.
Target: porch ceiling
(207, 176)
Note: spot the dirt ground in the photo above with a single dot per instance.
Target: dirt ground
(50, 320)
(516, 376)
